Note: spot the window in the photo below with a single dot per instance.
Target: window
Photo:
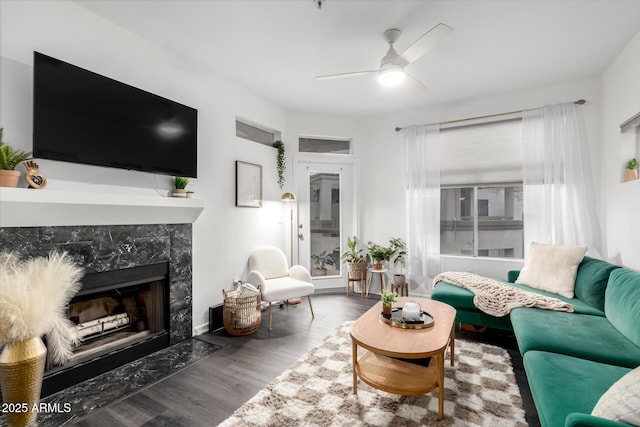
(324, 145)
(481, 194)
(482, 221)
(256, 133)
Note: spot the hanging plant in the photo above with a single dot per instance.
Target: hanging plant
(280, 162)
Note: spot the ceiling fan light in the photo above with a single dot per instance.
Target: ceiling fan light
(391, 76)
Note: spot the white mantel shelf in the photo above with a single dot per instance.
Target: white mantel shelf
(22, 207)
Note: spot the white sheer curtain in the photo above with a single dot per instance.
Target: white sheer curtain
(422, 168)
(560, 206)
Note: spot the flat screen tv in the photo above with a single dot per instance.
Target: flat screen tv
(82, 117)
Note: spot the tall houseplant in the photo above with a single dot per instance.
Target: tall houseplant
(9, 159)
(355, 259)
(34, 295)
(399, 248)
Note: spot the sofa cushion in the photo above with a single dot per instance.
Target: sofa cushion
(591, 281)
(579, 335)
(622, 401)
(622, 303)
(552, 268)
(563, 384)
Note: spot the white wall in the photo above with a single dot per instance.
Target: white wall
(223, 235)
(621, 201)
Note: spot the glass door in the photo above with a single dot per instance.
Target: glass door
(325, 212)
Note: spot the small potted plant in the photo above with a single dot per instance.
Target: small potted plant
(180, 183)
(399, 248)
(9, 159)
(631, 172)
(320, 262)
(387, 298)
(379, 254)
(354, 258)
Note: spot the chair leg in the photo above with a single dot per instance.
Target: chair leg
(311, 307)
(269, 315)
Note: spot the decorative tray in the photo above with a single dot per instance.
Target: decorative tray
(426, 321)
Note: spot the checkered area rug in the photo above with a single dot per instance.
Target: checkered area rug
(480, 390)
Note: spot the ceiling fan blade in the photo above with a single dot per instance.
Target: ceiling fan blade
(341, 75)
(414, 83)
(426, 42)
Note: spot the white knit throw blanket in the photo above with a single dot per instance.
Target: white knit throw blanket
(497, 298)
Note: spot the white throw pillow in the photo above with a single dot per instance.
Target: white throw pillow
(622, 401)
(552, 268)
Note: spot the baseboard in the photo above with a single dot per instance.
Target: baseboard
(200, 329)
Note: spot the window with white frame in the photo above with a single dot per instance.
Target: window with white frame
(256, 133)
(481, 190)
(324, 145)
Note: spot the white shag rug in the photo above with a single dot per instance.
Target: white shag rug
(480, 390)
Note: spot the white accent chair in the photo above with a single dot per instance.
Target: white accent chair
(268, 268)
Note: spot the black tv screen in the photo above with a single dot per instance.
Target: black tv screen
(82, 117)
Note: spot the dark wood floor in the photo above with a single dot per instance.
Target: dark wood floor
(206, 393)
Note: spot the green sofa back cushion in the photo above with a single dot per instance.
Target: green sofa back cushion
(622, 303)
(591, 281)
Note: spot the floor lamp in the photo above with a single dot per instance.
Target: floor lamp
(290, 198)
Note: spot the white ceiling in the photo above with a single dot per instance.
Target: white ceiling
(276, 48)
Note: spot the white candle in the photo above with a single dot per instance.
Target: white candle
(411, 311)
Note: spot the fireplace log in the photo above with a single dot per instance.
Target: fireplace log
(102, 324)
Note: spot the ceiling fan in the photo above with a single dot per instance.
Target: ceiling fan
(392, 65)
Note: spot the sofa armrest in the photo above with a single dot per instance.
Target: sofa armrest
(576, 419)
(512, 275)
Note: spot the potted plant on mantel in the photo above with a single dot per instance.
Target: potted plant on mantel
(387, 298)
(9, 159)
(399, 248)
(631, 172)
(379, 254)
(180, 183)
(354, 258)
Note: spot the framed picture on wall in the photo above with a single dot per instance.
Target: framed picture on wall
(248, 185)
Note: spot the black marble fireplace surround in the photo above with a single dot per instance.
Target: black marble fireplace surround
(106, 248)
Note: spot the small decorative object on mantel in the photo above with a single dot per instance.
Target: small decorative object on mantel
(9, 159)
(33, 176)
(180, 183)
(387, 299)
(34, 295)
(631, 171)
(281, 163)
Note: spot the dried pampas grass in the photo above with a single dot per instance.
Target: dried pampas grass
(34, 295)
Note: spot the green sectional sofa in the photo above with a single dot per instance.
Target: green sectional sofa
(571, 359)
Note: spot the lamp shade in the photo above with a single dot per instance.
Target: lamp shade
(288, 197)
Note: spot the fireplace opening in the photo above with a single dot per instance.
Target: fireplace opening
(119, 316)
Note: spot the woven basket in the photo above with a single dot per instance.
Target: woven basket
(357, 270)
(241, 315)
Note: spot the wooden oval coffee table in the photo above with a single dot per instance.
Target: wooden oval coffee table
(379, 366)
